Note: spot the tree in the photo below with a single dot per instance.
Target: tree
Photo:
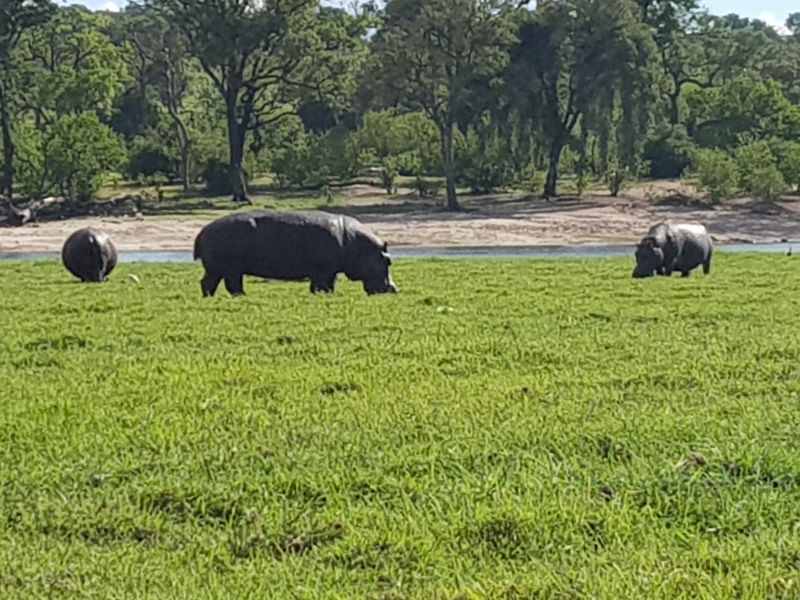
(72, 66)
(82, 151)
(16, 16)
(70, 74)
(582, 60)
(162, 56)
(793, 24)
(258, 55)
(428, 54)
(747, 106)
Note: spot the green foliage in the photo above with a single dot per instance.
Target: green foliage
(81, 153)
(586, 62)
(718, 173)
(458, 45)
(217, 177)
(746, 106)
(410, 140)
(148, 158)
(484, 164)
(669, 151)
(759, 173)
(474, 436)
(787, 155)
(72, 65)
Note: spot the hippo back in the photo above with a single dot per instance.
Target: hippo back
(271, 243)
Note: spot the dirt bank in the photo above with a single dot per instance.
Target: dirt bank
(487, 221)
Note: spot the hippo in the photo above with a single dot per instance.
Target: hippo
(89, 254)
(673, 247)
(291, 246)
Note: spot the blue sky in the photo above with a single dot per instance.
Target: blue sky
(773, 12)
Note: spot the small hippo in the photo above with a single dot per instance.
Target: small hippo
(89, 254)
(673, 247)
(291, 246)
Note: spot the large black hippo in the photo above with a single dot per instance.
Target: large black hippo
(671, 247)
(291, 246)
(89, 254)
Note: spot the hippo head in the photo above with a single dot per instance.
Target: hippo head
(370, 263)
(649, 259)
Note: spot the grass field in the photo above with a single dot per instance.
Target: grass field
(499, 429)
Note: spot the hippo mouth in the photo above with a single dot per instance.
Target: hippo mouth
(642, 274)
(385, 286)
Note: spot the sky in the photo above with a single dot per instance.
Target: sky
(773, 12)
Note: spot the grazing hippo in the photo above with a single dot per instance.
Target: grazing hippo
(679, 247)
(291, 246)
(89, 254)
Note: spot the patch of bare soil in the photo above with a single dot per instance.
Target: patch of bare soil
(498, 220)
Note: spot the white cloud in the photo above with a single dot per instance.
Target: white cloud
(770, 19)
(111, 7)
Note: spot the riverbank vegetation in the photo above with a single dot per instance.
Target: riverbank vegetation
(500, 428)
(453, 96)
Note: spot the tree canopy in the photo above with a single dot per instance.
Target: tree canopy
(478, 94)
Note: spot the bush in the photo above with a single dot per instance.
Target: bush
(81, 152)
(760, 176)
(482, 162)
(147, 159)
(669, 149)
(787, 155)
(217, 175)
(717, 172)
(766, 183)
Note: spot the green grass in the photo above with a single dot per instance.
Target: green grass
(499, 429)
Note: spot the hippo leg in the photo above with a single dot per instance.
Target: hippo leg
(209, 283)
(707, 266)
(323, 283)
(234, 284)
(684, 273)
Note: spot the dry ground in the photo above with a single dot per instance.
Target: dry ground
(498, 220)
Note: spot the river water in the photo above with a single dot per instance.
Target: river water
(571, 251)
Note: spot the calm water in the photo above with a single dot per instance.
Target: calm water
(576, 251)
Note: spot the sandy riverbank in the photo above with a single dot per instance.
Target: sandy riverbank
(485, 222)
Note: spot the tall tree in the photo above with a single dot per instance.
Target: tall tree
(16, 16)
(428, 54)
(161, 56)
(72, 74)
(258, 53)
(581, 59)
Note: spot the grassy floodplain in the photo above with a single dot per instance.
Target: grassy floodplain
(499, 429)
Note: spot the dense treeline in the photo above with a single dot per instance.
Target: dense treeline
(485, 93)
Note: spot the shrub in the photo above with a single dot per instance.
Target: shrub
(766, 183)
(759, 174)
(787, 155)
(482, 161)
(147, 159)
(669, 149)
(217, 176)
(81, 152)
(717, 172)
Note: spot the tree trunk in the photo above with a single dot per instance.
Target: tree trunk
(551, 183)
(7, 184)
(674, 108)
(236, 135)
(183, 142)
(449, 164)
